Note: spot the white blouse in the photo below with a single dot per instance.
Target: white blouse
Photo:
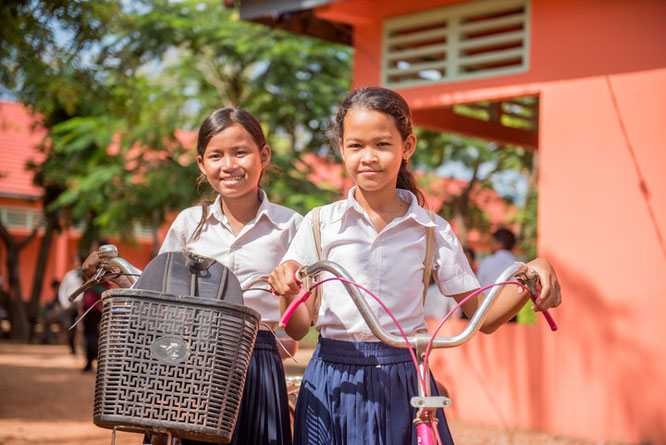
(258, 248)
(389, 264)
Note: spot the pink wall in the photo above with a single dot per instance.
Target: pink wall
(603, 374)
(599, 68)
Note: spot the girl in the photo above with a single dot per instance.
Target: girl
(244, 231)
(356, 389)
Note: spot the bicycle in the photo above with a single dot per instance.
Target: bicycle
(170, 365)
(422, 343)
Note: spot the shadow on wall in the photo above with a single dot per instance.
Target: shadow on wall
(600, 376)
(611, 341)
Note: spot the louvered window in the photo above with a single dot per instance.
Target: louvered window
(16, 217)
(467, 41)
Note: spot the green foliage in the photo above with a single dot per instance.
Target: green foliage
(44, 46)
(116, 81)
(527, 219)
(482, 160)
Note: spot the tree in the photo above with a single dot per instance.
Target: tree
(41, 48)
(484, 163)
(204, 53)
(291, 83)
(481, 160)
(115, 84)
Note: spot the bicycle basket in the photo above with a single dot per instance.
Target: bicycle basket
(172, 364)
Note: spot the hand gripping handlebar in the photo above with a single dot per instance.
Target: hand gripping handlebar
(110, 264)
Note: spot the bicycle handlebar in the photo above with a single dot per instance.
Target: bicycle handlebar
(109, 264)
(420, 339)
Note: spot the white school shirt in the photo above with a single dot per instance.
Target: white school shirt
(389, 264)
(258, 248)
(70, 282)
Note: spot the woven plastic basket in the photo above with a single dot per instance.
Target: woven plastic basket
(172, 364)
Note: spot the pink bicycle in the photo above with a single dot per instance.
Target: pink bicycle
(420, 344)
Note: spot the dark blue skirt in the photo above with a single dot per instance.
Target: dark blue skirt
(358, 393)
(263, 418)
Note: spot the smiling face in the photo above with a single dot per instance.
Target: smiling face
(233, 163)
(373, 149)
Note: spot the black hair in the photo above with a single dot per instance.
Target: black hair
(216, 122)
(220, 120)
(392, 104)
(506, 238)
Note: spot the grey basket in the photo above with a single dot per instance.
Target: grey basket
(172, 364)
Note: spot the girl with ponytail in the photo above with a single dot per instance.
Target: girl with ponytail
(356, 389)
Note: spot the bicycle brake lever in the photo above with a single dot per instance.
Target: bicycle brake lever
(533, 284)
(95, 279)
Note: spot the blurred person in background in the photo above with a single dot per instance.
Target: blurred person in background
(70, 282)
(92, 319)
(501, 257)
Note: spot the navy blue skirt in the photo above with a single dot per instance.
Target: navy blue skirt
(358, 393)
(263, 417)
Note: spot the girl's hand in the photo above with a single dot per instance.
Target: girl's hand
(282, 279)
(90, 265)
(285, 285)
(549, 294)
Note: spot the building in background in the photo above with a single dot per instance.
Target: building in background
(21, 204)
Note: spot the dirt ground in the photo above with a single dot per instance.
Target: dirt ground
(46, 399)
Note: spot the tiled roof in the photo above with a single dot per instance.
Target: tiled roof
(20, 136)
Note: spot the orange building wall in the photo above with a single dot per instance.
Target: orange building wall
(569, 39)
(603, 374)
(599, 69)
(63, 249)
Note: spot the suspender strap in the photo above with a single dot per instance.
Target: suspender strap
(316, 232)
(427, 262)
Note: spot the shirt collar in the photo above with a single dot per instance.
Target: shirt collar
(414, 212)
(265, 208)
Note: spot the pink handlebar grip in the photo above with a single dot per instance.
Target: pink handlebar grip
(551, 322)
(292, 307)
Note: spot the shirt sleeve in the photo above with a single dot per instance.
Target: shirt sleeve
(452, 271)
(302, 248)
(176, 238)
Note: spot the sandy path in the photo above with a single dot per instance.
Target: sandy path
(46, 399)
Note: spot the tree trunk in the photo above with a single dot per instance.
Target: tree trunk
(38, 279)
(16, 309)
(18, 319)
(461, 226)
